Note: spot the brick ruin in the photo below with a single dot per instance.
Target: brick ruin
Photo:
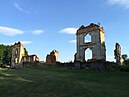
(30, 58)
(117, 54)
(96, 45)
(52, 58)
(18, 56)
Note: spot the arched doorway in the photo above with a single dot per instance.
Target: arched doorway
(88, 54)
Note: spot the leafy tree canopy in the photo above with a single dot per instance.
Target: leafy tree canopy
(124, 56)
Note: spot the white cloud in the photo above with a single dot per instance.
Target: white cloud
(72, 41)
(26, 42)
(37, 32)
(69, 30)
(123, 3)
(10, 31)
(21, 9)
(12, 43)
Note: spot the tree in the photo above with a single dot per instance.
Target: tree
(126, 62)
(1, 54)
(26, 52)
(6, 60)
(124, 57)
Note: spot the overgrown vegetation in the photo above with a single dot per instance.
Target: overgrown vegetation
(126, 65)
(5, 55)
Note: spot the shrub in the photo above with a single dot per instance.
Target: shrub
(91, 60)
(111, 66)
(126, 65)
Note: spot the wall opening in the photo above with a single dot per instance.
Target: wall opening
(16, 60)
(87, 38)
(88, 54)
(16, 51)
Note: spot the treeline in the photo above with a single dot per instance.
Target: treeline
(5, 55)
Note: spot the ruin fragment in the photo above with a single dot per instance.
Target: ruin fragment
(18, 56)
(96, 45)
(117, 54)
(52, 58)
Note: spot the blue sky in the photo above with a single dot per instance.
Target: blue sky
(44, 25)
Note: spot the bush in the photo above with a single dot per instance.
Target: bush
(113, 66)
(91, 60)
(126, 62)
(126, 65)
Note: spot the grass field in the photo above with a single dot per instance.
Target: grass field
(51, 81)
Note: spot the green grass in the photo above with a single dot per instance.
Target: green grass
(51, 81)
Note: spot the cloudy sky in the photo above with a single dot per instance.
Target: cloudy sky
(44, 25)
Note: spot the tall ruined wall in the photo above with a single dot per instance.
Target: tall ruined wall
(17, 53)
(97, 44)
(117, 54)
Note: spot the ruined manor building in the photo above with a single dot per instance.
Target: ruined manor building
(96, 45)
(18, 56)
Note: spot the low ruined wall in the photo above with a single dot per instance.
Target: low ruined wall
(100, 66)
(91, 65)
(25, 64)
(65, 64)
(28, 64)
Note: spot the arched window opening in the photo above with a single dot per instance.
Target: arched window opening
(88, 54)
(16, 51)
(87, 38)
